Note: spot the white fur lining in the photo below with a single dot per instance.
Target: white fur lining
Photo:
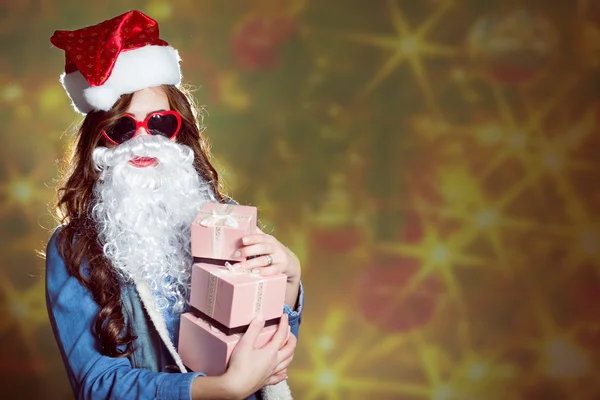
(136, 69)
(281, 391)
(148, 66)
(74, 84)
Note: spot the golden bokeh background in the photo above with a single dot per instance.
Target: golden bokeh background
(433, 163)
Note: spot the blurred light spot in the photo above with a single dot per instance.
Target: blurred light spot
(477, 371)
(327, 132)
(577, 134)
(23, 111)
(471, 96)
(517, 139)
(327, 378)
(304, 30)
(21, 190)
(506, 371)
(409, 45)
(440, 254)
(486, 218)
(12, 92)
(490, 134)
(232, 95)
(458, 74)
(321, 62)
(18, 310)
(589, 240)
(325, 343)
(564, 359)
(335, 110)
(160, 9)
(355, 158)
(315, 79)
(553, 162)
(441, 393)
(51, 98)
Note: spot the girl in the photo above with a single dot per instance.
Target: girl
(118, 267)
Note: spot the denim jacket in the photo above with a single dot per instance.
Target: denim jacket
(153, 371)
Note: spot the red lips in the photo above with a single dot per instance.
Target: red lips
(142, 162)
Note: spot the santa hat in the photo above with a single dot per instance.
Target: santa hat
(115, 57)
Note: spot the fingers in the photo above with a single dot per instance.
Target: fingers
(283, 366)
(256, 249)
(267, 271)
(288, 349)
(280, 336)
(252, 333)
(258, 238)
(275, 379)
(283, 373)
(258, 262)
(286, 354)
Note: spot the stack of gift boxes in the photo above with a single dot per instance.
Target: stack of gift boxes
(225, 300)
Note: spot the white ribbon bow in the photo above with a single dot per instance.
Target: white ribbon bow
(230, 270)
(221, 216)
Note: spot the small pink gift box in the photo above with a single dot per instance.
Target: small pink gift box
(218, 229)
(203, 348)
(232, 297)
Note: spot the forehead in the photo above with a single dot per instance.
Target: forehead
(147, 100)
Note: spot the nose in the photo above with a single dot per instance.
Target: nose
(142, 131)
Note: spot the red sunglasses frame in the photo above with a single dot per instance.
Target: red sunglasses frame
(144, 124)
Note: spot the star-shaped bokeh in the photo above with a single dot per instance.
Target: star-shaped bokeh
(433, 165)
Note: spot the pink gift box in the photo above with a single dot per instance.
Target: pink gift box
(205, 349)
(233, 298)
(218, 229)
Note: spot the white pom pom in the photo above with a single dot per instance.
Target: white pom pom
(101, 97)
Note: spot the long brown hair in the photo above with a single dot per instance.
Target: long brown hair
(78, 239)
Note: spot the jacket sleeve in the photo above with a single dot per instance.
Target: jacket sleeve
(72, 312)
(295, 316)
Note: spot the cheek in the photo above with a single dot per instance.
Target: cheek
(179, 138)
(104, 142)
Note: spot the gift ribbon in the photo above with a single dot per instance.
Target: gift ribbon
(212, 289)
(219, 217)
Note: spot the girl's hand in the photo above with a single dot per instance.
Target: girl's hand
(287, 353)
(251, 368)
(270, 256)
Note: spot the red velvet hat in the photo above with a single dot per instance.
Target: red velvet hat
(115, 57)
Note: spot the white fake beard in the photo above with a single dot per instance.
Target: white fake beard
(143, 215)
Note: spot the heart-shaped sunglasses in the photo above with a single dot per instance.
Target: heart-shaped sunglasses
(163, 123)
